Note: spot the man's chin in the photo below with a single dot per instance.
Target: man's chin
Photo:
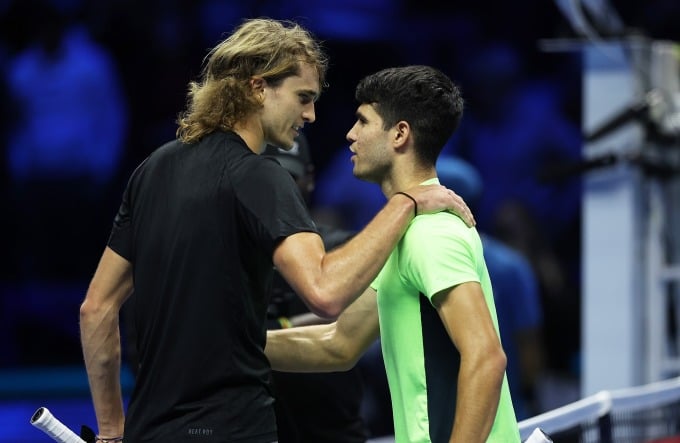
(363, 177)
(286, 145)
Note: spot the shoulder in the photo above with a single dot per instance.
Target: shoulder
(443, 233)
(256, 170)
(242, 163)
(443, 223)
(158, 157)
(167, 149)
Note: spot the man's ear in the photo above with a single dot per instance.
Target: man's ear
(257, 85)
(402, 131)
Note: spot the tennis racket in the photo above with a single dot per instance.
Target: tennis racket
(50, 425)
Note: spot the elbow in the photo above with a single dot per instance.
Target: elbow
(491, 362)
(342, 352)
(90, 319)
(496, 363)
(351, 361)
(94, 313)
(345, 366)
(324, 305)
(344, 359)
(87, 310)
(99, 335)
(327, 298)
(326, 310)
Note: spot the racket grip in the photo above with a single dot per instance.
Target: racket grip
(48, 423)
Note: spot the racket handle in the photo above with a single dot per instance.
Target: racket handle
(48, 423)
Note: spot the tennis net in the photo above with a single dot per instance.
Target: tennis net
(644, 414)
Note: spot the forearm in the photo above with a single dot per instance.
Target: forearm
(100, 338)
(330, 347)
(479, 387)
(306, 349)
(348, 270)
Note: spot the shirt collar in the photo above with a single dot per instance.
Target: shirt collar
(431, 181)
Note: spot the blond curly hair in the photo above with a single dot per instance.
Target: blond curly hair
(261, 47)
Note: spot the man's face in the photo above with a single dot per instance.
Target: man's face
(369, 144)
(289, 106)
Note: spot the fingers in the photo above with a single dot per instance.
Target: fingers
(434, 198)
(462, 209)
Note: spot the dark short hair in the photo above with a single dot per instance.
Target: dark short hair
(421, 95)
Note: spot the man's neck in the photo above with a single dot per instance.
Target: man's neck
(251, 132)
(402, 179)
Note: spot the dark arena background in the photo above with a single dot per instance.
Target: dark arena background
(90, 88)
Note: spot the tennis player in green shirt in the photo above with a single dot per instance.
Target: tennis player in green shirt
(432, 304)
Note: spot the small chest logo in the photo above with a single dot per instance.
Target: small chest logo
(200, 432)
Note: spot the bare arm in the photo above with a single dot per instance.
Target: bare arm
(100, 338)
(482, 366)
(328, 347)
(329, 282)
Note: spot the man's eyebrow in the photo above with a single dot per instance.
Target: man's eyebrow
(311, 92)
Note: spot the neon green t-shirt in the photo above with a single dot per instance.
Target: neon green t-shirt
(437, 252)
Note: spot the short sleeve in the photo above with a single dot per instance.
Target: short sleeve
(120, 239)
(271, 204)
(439, 253)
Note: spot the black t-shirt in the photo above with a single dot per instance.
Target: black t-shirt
(199, 224)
